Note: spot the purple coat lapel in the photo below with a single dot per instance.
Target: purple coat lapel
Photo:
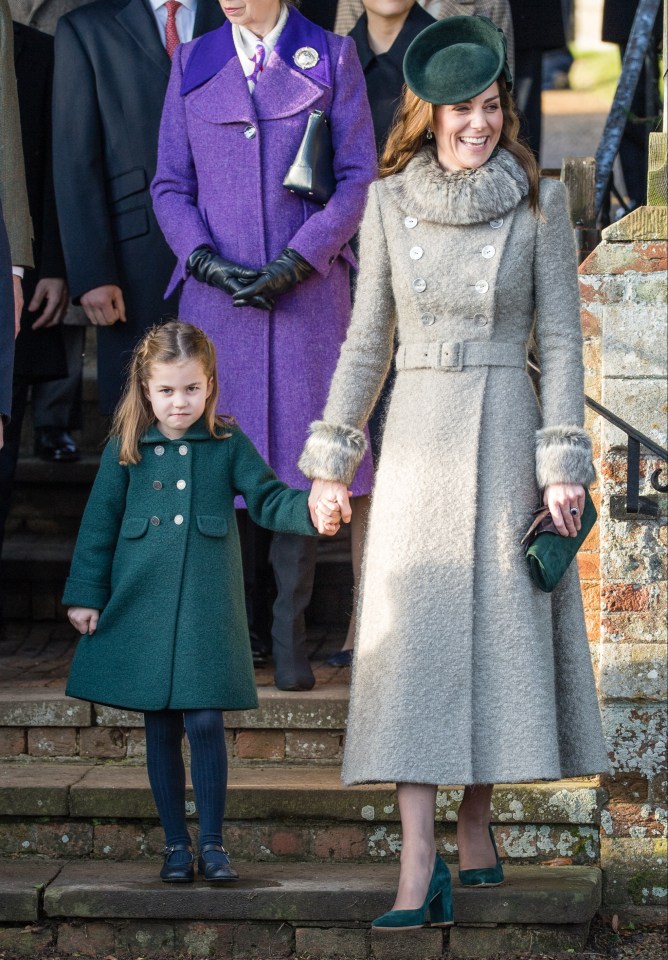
(214, 80)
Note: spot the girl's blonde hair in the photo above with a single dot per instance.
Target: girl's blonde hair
(170, 342)
(415, 117)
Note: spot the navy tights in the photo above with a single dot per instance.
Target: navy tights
(167, 775)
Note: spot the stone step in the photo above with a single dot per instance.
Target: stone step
(283, 910)
(298, 727)
(279, 812)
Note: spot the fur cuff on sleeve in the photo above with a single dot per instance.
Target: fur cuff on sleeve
(563, 455)
(332, 452)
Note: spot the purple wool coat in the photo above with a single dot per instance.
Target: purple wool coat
(222, 159)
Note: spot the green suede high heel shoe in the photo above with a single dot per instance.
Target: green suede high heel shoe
(437, 903)
(485, 876)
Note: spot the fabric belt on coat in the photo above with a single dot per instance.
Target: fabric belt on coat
(454, 356)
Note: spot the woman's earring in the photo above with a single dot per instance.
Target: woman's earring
(429, 135)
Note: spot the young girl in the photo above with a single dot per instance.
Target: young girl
(156, 586)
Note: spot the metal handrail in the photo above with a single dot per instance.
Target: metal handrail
(635, 503)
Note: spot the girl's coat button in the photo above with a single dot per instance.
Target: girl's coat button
(159, 450)
(180, 484)
(183, 449)
(155, 521)
(178, 519)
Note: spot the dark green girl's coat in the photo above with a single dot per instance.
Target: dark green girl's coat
(158, 553)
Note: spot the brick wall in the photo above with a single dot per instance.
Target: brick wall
(623, 564)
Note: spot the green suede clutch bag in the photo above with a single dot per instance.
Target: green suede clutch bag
(548, 553)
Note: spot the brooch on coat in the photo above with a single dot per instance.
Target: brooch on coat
(306, 57)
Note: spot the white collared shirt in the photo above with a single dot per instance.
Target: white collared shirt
(245, 42)
(185, 18)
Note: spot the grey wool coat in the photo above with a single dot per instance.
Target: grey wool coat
(464, 671)
(158, 553)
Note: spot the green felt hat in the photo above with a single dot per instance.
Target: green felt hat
(455, 59)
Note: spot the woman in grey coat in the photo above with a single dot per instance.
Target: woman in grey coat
(465, 672)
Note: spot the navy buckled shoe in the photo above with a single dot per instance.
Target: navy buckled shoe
(218, 868)
(181, 870)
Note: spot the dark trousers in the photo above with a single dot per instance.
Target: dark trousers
(527, 92)
(9, 454)
(57, 403)
(167, 776)
(279, 570)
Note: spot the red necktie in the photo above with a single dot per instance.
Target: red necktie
(172, 38)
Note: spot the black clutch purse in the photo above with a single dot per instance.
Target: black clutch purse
(312, 172)
(548, 553)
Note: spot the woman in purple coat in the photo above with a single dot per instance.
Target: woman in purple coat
(264, 272)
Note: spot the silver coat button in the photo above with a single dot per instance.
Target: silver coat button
(482, 286)
(428, 319)
(183, 449)
(250, 132)
(496, 224)
(157, 485)
(419, 285)
(416, 253)
(410, 222)
(159, 450)
(180, 484)
(178, 519)
(480, 319)
(155, 521)
(488, 251)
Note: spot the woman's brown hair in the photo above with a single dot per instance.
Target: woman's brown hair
(415, 117)
(171, 342)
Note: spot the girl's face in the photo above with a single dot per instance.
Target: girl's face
(466, 133)
(260, 16)
(178, 393)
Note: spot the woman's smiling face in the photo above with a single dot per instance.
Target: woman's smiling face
(467, 133)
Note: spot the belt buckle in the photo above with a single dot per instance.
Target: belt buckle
(451, 358)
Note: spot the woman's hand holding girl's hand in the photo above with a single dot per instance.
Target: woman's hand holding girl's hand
(563, 499)
(329, 504)
(329, 516)
(84, 619)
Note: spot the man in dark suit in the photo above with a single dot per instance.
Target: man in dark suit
(40, 354)
(537, 27)
(111, 76)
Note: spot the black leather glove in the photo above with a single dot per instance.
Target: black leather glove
(206, 266)
(275, 279)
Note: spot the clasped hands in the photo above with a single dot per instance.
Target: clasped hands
(246, 286)
(329, 505)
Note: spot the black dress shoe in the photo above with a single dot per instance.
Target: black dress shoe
(55, 445)
(218, 868)
(180, 872)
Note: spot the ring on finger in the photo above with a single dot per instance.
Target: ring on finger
(574, 511)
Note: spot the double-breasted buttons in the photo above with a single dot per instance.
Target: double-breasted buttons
(410, 222)
(488, 251)
(183, 449)
(157, 485)
(178, 519)
(159, 450)
(428, 319)
(250, 132)
(416, 253)
(419, 285)
(155, 521)
(482, 286)
(180, 484)
(496, 224)
(480, 319)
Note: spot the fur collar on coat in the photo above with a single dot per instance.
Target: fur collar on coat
(423, 189)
